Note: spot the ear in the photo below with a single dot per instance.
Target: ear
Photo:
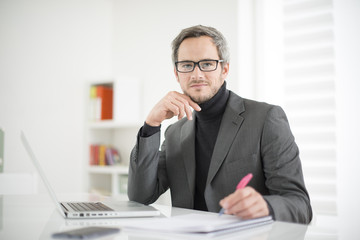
(225, 70)
(176, 74)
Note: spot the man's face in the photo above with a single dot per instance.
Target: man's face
(198, 85)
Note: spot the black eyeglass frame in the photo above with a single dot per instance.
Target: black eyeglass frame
(198, 64)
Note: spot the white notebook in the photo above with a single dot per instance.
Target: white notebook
(196, 223)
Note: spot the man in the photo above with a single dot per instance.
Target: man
(205, 154)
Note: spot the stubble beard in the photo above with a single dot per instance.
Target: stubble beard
(199, 99)
(202, 98)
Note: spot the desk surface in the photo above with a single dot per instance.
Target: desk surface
(35, 217)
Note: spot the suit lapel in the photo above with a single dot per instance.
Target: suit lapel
(187, 140)
(229, 127)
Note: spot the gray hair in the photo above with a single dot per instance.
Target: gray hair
(198, 31)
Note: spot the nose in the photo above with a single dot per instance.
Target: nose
(197, 73)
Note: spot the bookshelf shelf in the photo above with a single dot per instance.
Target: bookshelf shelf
(118, 179)
(111, 124)
(109, 169)
(118, 132)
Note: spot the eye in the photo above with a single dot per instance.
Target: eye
(188, 66)
(185, 65)
(208, 64)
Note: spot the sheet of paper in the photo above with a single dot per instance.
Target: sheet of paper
(195, 223)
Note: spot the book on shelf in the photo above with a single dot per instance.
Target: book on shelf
(102, 151)
(103, 155)
(2, 137)
(101, 102)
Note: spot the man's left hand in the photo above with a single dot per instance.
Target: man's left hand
(246, 203)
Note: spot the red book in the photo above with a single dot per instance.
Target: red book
(92, 154)
(106, 96)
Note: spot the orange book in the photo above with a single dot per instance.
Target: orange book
(106, 96)
(102, 152)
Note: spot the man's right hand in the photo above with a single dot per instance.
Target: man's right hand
(173, 104)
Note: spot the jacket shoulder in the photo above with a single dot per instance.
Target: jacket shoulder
(244, 104)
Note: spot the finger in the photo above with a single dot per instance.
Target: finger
(254, 211)
(193, 104)
(244, 207)
(233, 202)
(188, 100)
(228, 201)
(188, 112)
(181, 105)
(252, 206)
(167, 108)
(235, 197)
(184, 104)
(171, 107)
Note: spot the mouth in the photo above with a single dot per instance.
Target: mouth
(198, 85)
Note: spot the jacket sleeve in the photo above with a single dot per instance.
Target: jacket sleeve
(288, 198)
(147, 170)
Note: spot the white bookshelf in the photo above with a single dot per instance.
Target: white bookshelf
(120, 132)
(117, 183)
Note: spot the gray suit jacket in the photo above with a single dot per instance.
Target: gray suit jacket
(253, 138)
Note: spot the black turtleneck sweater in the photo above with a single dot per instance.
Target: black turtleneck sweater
(208, 122)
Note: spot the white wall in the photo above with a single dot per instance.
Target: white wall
(48, 49)
(347, 18)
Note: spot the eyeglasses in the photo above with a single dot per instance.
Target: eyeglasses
(204, 65)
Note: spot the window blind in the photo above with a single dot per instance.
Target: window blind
(309, 94)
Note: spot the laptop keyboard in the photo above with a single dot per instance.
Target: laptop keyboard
(89, 207)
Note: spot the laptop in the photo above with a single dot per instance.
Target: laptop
(115, 209)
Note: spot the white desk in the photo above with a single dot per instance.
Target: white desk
(35, 217)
